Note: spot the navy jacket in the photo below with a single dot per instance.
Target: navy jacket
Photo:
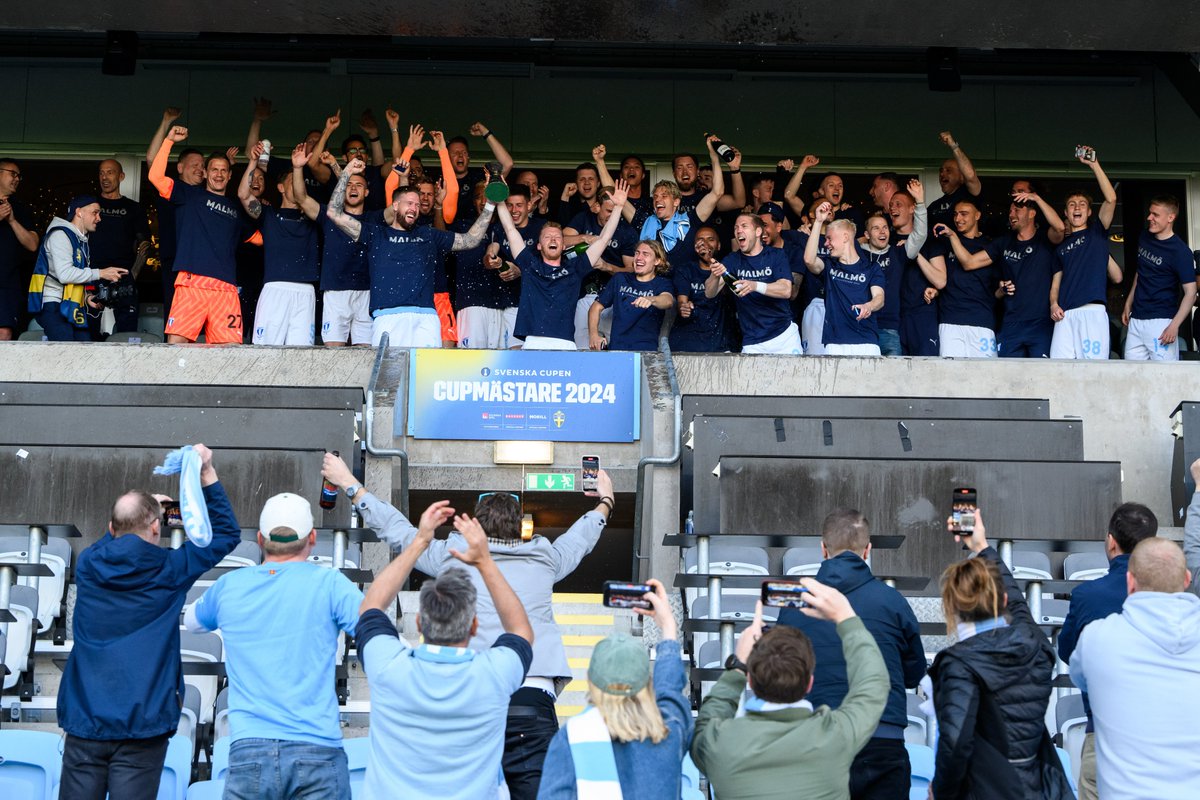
(1089, 602)
(123, 679)
(889, 618)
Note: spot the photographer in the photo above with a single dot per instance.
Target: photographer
(122, 687)
(56, 290)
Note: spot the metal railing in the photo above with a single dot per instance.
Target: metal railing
(369, 426)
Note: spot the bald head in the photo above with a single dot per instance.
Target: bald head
(1158, 565)
(137, 513)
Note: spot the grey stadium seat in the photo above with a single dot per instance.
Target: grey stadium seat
(1085, 566)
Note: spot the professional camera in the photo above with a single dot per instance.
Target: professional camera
(109, 294)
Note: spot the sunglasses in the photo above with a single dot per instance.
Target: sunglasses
(489, 494)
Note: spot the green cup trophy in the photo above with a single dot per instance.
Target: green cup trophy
(496, 190)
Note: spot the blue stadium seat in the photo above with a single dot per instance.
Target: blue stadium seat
(917, 731)
(30, 763)
(220, 759)
(1065, 758)
(177, 770)
(922, 758)
(358, 751)
(206, 790)
(691, 780)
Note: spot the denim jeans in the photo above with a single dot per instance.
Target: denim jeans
(532, 723)
(126, 768)
(881, 771)
(889, 342)
(270, 769)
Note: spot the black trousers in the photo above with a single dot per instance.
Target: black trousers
(532, 723)
(124, 769)
(881, 771)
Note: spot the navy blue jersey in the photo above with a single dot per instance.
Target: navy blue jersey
(210, 227)
(849, 285)
(762, 318)
(11, 251)
(344, 260)
(892, 262)
(466, 192)
(706, 329)
(477, 286)
(970, 296)
(122, 225)
(404, 264)
(634, 328)
(1029, 264)
(548, 295)
(1083, 262)
(624, 239)
(1163, 266)
(942, 210)
(290, 247)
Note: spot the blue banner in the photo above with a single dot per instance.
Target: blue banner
(524, 394)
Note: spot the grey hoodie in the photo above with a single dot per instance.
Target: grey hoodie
(62, 269)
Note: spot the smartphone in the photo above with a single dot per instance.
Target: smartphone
(619, 594)
(962, 510)
(172, 516)
(590, 472)
(783, 594)
(1085, 152)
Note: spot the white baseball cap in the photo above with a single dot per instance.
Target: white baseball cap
(289, 511)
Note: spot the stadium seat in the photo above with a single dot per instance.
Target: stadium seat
(358, 751)
(1085, 566)
(206, 790)
(220, 759)
(246, 554)
(56, 554)
(30, 763)
(1072, 726)
(189, 718)
(32, 336)
(1065, 758)
(136, 337)
(221, 715)
(1054, 611)
(1031, 565)
(177, 769)
(691, 780)
(709, 656)
(322, 554)
(801, 560)
(23, 603)
(917, 731)
(726, 559)
(734, 606)
(204, 648)
(922, 759)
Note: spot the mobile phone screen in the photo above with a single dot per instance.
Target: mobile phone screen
(619, 594)
(783, 594)
(962, 510)
(590, 472)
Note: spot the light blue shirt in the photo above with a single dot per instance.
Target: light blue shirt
(437, 714)
(280, 623)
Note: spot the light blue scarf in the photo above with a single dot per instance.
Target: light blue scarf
(669, 233)
(592, 751)
(186, 462)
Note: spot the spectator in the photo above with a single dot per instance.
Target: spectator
(397, 247)
(701, 325)
(16, 235)
(958, 181)
(639, 301)
(991, 687)
(1191, 529)
(189, 168)
(881, 769)
(438, 711)
(287, 306)
(853, 284)
(1156, 306)
(832, 189)
(120, 693)
(894, 253)
(578, 195)
(1078, 290)
(1130, 523)
(762, 278)
(210, 227)
(532, 568)
(646, 722)
(782, 746)
(287, 740)
(968, 302)
(1141, 670)
(883, 186)
(64, 265)
(122, 241)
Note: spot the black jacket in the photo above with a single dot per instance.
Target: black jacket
(991, 693)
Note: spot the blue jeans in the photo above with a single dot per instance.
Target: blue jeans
(889, 342)
(270, 769)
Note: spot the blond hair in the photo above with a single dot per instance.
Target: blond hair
(972, 590)
(630, 719)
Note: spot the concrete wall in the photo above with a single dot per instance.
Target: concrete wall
(1124, 406)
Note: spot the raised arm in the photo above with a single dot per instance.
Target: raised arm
(370, 126)
(736, 199)
(506, 162)
(320, 170)
(508, 607)
(310, 207)
(249, 202)
(450, 202)
(708, 204)
(1109, 206)
(393, 121)
(516, 243)
(475, 234)
(596, 249)
(170, 114)
(797, 204)
(388, 582)
(1055, 229)
(337, 202)
(811, 260)
(598, 154)
(158, 167)
(970, 178)
(969, 261)
(262, 113)
(920, 231)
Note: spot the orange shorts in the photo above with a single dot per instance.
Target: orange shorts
(445, 312)
(205, 304)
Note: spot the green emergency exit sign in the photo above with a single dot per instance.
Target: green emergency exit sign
(550, 482)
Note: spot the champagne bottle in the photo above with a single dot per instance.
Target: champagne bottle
(723, 150)
(329, 492)
(577, 249)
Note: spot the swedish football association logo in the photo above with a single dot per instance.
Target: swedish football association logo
(559, 418)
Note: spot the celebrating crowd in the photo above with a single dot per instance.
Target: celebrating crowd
(769, 264)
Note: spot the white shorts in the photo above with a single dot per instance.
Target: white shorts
(1082, 333)
(286, 314)
(346, 317)
(1141, 343)
(582, 338)
(786, 343)
(548, 343)
(813, 325)
(481, 328)
(966, 341)
(852, 350)
(408, 327)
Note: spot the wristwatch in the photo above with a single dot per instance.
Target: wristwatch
(733, 662)
(352, 490)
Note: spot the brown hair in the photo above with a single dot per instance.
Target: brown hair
(134, 512)
(845, 529)
(781, 665)
(663, 266)
(500, 516)
(972, 591)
